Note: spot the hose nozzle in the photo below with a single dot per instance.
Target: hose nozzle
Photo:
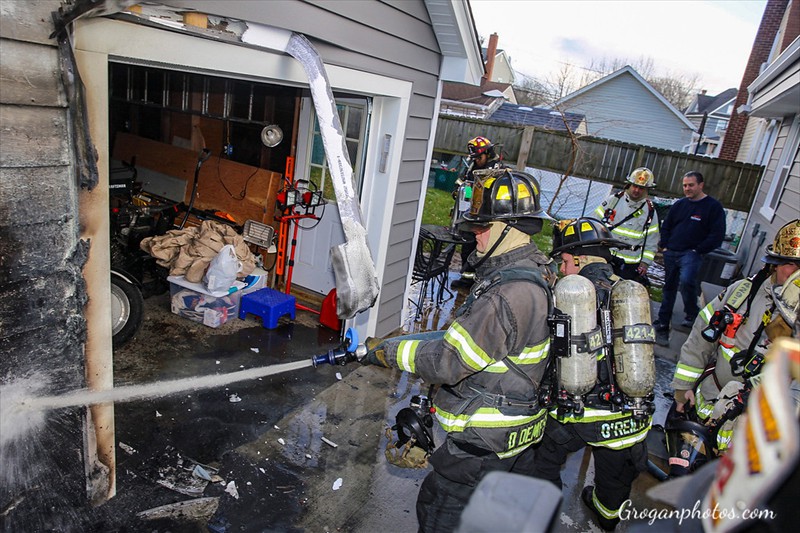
(345, 353)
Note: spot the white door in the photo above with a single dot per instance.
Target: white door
(312, 264)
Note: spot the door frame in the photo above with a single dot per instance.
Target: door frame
(97, 40)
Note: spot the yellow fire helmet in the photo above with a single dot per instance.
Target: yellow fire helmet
(643, 177)
(786, 247)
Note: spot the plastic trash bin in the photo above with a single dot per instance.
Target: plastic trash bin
(445, 180)
(720, 267)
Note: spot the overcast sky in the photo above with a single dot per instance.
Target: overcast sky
(709, 38)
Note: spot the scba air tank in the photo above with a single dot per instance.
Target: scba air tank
(633, 340)
(575, 296)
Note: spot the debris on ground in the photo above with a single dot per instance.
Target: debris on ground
(128, 449)
(197, 510)
(230, 488)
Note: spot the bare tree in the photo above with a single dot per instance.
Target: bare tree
(678, 88)
(562, 82)
(530, 91)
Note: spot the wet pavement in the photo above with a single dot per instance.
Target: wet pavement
(265, 437)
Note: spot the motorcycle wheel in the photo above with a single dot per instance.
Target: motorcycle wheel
(127, 310)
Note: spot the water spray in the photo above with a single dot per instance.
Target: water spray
(25, 402)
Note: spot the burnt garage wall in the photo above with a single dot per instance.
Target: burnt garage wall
(42, 329)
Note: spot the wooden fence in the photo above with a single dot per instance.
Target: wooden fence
(734, 184)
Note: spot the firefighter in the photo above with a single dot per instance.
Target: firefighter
(631, 218)
(490, 361)
(482, 156)
(723, 355)
(616, 437)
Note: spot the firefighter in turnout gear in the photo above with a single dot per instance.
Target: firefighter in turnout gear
(490, 361)
(723, 355)
(631, 218)
(616, 436)
(482, 156)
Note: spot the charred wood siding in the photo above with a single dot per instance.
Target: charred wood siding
(42, 329)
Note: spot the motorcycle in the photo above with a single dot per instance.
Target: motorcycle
(135, 215)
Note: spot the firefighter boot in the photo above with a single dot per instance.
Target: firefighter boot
(607, 524)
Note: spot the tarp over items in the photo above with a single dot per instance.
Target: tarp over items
(188, 252)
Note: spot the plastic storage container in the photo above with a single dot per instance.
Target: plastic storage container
(193, 301)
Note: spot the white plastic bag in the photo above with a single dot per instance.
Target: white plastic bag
(222, 270)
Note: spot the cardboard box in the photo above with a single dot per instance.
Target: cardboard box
(195, 302)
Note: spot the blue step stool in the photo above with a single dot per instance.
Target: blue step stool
(269, 304)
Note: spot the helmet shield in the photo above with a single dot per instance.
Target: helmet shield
(786, 246)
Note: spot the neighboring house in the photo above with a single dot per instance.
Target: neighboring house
(624, 107)
(474, 101)
(710, 115)
(520, 115)
(481, 101)
(750, 139)
(498, 64)
(386, 62)
(774, 95)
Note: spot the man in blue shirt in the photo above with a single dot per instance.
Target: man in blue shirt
(695, 226)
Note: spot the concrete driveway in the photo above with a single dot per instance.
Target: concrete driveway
(265, 437)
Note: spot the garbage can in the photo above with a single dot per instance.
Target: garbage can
(720, 267)
(445, 180)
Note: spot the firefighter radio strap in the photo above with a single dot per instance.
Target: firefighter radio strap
(725, 322)
(610, 212)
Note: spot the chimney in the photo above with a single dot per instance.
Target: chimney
(703, 92)
(491, 51)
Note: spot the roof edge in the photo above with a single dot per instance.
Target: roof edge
(640, 79)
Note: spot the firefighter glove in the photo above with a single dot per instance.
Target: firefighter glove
(682, 397)
(376, 354)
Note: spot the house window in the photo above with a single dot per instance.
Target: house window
(722, 125)
(354, 119)
(766, 144)
(787, 157)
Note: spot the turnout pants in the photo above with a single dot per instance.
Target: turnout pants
(456, 472)
(614, 470)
